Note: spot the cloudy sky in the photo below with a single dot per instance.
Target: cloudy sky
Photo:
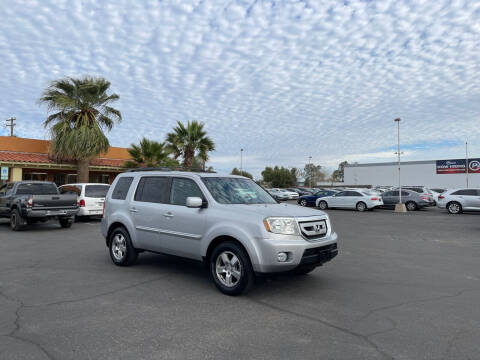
(284, 80)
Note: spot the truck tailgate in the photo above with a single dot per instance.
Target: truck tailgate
(52, 202)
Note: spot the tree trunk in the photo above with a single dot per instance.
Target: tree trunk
(82, 170)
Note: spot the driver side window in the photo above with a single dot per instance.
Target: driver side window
(342, 193)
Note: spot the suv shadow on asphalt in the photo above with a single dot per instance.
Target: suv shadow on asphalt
(192, 271)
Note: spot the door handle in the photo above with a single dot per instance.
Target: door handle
(168, 215)
(133, 210)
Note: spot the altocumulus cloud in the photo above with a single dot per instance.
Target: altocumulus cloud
(281, 79)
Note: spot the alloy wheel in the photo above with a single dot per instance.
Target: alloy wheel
(303, 202)
(119, 247)
(454, 208)
(228, 269)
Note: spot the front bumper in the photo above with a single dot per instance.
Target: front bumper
(300, 252)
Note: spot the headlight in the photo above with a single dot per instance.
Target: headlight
(281, 225)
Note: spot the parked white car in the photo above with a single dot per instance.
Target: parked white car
(360, 200)
(90, 197)
(458, 200)
(291, 195)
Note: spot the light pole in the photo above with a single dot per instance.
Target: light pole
(241, 161)
(400, 207)
(11, 125)
(466, 162)
(310, 170)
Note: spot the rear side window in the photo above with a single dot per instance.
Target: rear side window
(96, 191)
(468, 192)
(154, 189)
(121, 188)
(183, 188)
(37, 189)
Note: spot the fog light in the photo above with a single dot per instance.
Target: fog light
(282, 257)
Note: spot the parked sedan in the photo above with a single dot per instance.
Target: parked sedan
(412, 199)
(458, 200)
(310, 200)
(291, 194)
(277, 194)
(424, 191)
(350, 199)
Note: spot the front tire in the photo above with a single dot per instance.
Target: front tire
(454, 208)
(230, 269)
(121, 249)
(323, 205)
(303, 202)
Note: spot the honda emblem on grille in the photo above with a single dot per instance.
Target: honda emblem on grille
(318, 228)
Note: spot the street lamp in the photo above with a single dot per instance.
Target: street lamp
(400, 207)
(241, 160)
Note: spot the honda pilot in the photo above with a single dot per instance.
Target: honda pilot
(229, 222)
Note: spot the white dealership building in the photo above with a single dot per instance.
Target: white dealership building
(430, 173)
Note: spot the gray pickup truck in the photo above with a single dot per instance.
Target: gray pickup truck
(27, 202)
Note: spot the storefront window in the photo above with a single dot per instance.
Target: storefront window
(34, 176)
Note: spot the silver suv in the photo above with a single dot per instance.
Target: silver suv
(229, 222)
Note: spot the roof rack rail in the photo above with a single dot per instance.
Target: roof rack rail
(168, 169)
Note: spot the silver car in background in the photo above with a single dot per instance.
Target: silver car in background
(412, 199)
(277, 194)
(359, 200)
(459, 200)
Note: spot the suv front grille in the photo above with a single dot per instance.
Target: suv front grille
(312, 230)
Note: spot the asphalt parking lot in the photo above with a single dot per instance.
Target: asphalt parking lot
(405, 286)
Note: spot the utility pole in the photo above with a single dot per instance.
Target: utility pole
(11, 125)
(241, 161)
(400, 207)
(466, 162)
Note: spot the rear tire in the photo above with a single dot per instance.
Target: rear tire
(230, 269)
(323, 205)
(121, 249)
(361, 206)
(303, 202)
(454, 207)
(16, 220)
(66, 222)
(411, 206)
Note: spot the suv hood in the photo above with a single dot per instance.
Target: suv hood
(278, 210)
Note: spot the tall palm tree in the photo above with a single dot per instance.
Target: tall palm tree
(149, 153)
(189, 141)
(81, 113)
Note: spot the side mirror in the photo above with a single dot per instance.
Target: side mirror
(194, 202)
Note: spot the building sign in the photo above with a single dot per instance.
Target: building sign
(4, 173)
(457, 166)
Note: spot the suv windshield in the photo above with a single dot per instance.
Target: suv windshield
(237, 191)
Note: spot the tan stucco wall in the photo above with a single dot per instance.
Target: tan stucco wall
(16, 174)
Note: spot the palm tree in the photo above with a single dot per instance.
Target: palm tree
(81, 113)
(149, 153)
(189, 142)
